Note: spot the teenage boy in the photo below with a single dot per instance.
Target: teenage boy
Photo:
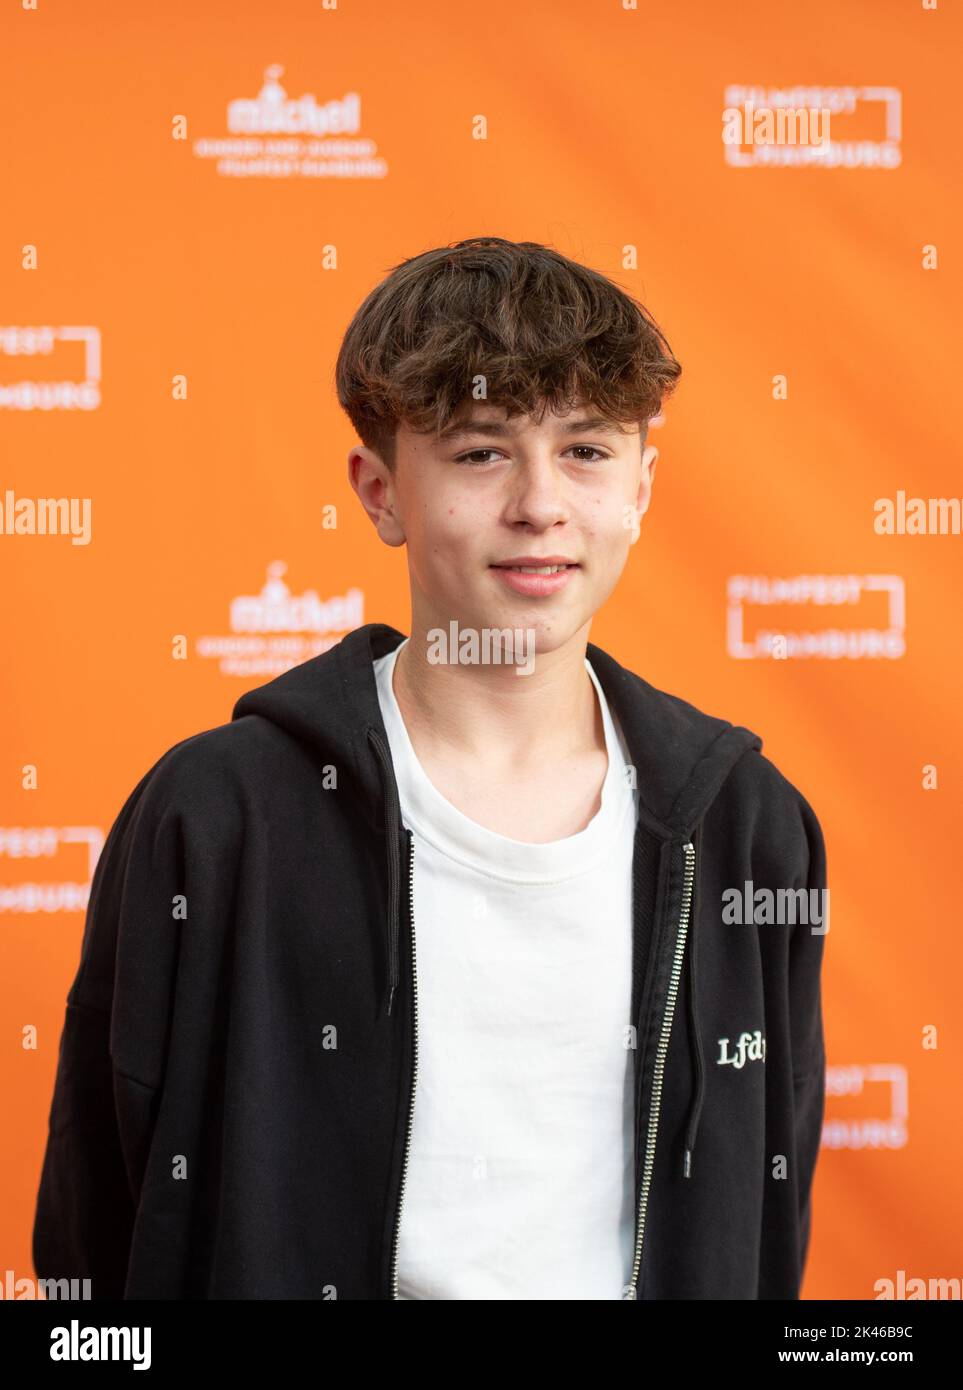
(421, 978)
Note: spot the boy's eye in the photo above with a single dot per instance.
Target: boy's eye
(470, 457)
(590, 448)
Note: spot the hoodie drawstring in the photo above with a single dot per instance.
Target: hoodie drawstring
(392, 817)
(695, 1110)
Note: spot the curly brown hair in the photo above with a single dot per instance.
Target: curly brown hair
(537, 331)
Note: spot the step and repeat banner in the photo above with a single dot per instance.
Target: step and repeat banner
(196, 199)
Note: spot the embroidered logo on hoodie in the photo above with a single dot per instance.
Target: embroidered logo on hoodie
(751, 1047)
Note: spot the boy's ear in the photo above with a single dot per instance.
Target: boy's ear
(369, 476)
(649, 455)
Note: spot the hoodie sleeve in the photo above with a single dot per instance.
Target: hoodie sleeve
(111, 1054)
(806, 1026)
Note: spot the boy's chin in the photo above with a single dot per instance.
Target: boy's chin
(553, 621)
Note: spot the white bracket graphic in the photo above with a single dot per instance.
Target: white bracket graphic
(740, 594)
(873, 1133)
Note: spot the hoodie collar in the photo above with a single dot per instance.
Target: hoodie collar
(681, 755)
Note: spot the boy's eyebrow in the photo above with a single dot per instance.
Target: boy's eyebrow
(498, 428)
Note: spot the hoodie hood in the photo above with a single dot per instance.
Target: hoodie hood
(682, 758)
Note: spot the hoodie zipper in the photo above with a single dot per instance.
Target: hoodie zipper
(414, 1065)
(660, 1056)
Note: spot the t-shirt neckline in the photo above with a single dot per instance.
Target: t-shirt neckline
(433, 817)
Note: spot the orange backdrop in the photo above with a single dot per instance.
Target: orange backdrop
(176, 277)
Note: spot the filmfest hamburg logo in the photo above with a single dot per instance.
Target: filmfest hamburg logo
(851, 635)
(275, 136)
(867, 1106)
(37, 372)
(275, 629)
(27, 845)
(812, 127)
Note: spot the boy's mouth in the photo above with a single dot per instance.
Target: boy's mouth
(536, 581)
(535, 569)
(536, 564)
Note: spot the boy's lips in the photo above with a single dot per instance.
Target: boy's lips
(535, 585)
(534, 560)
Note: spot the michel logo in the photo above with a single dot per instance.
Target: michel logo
(274, 136)
(751, 1047)
(276, 629)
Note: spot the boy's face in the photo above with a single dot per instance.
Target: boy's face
(491, 489)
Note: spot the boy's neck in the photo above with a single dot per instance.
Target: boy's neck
(490, 717)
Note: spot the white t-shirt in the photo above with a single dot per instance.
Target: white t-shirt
(520, 1180)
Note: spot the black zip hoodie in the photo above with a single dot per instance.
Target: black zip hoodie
(232, 1105)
